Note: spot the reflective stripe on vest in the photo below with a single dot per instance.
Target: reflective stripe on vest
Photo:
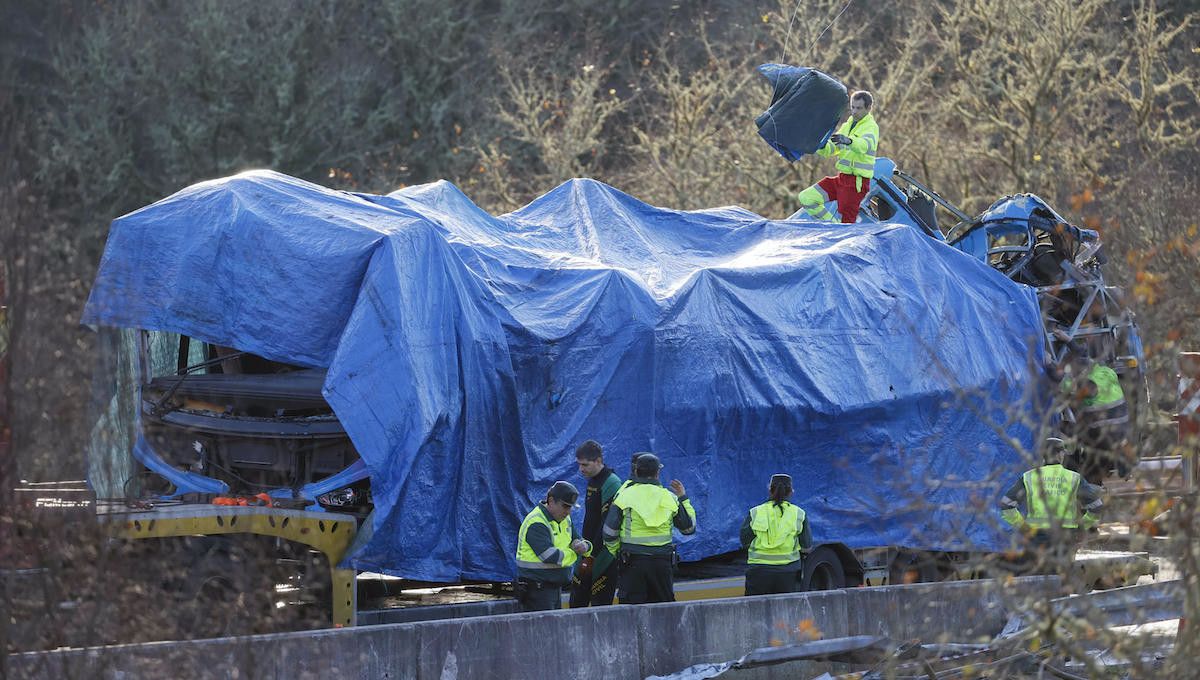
(1117, 414)
(851, 162)
(560, 534)
(872, 143)
(1108, 406)
(1050, 497)
(647, 512)
(865, 170)
(776, 533)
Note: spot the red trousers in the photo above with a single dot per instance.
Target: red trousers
(844, 189)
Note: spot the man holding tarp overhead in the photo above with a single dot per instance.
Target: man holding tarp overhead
(806, 107)
(855, 146)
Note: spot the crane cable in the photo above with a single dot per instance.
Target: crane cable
(788, 38)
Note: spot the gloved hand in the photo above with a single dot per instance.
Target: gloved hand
(584, 567)
(841, 140)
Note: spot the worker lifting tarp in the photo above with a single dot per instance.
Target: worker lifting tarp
(469, 354)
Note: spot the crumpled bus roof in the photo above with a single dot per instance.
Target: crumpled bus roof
(469, 354)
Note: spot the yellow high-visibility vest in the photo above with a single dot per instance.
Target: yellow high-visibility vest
(776, 533)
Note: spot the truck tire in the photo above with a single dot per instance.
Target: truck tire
(913, 567)
(823, 570)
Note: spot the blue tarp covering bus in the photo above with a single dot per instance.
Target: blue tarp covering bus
(469, 354)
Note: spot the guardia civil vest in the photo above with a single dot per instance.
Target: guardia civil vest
(776, 533)
(1051, 497)
(647, 512)
(560, 533)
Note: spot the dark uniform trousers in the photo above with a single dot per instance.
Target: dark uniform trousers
(536, 596)
(1050, 552)
(761, 581)
(594, 590)
(647, 578)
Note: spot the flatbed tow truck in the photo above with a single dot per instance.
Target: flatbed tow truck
(220, 418)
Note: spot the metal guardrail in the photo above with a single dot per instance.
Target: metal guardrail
(1126, 606)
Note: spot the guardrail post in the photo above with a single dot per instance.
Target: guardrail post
(1189, 417)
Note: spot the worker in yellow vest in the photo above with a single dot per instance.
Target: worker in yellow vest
(774, 534)
(855, 145)
(1059, 505)
(638, 529)
(548, 546)
(1101, 420)
(632, 470)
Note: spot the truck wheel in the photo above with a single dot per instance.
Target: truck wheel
(913, 567)
(221, 598)
(823, 570)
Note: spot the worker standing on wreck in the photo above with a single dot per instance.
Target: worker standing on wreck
(1102, 420)
(641, 518)
(548, 546)
(1093, 394)
(774, 534)
(595, 580)
(855, 146)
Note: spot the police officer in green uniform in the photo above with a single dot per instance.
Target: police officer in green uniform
(1103, 421)
(774, 535)
(613, 545)
(1058, 502)
(1100, 416)
(595, 580)
(639, 525)
(548, 546)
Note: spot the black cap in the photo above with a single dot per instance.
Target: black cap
(564, 491)
(647, 465)
(785, 480)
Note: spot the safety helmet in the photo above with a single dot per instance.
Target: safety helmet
(781, 480)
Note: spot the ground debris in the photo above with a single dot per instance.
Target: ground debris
(1044, 639)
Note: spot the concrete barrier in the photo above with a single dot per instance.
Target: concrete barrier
(675, 636)
(627, 641)
(438, 612)
(967, 611)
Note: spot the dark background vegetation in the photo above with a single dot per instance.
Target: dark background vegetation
(108, 106)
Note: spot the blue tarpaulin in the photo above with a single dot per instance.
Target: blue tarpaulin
(806, 107)
(469, 354)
